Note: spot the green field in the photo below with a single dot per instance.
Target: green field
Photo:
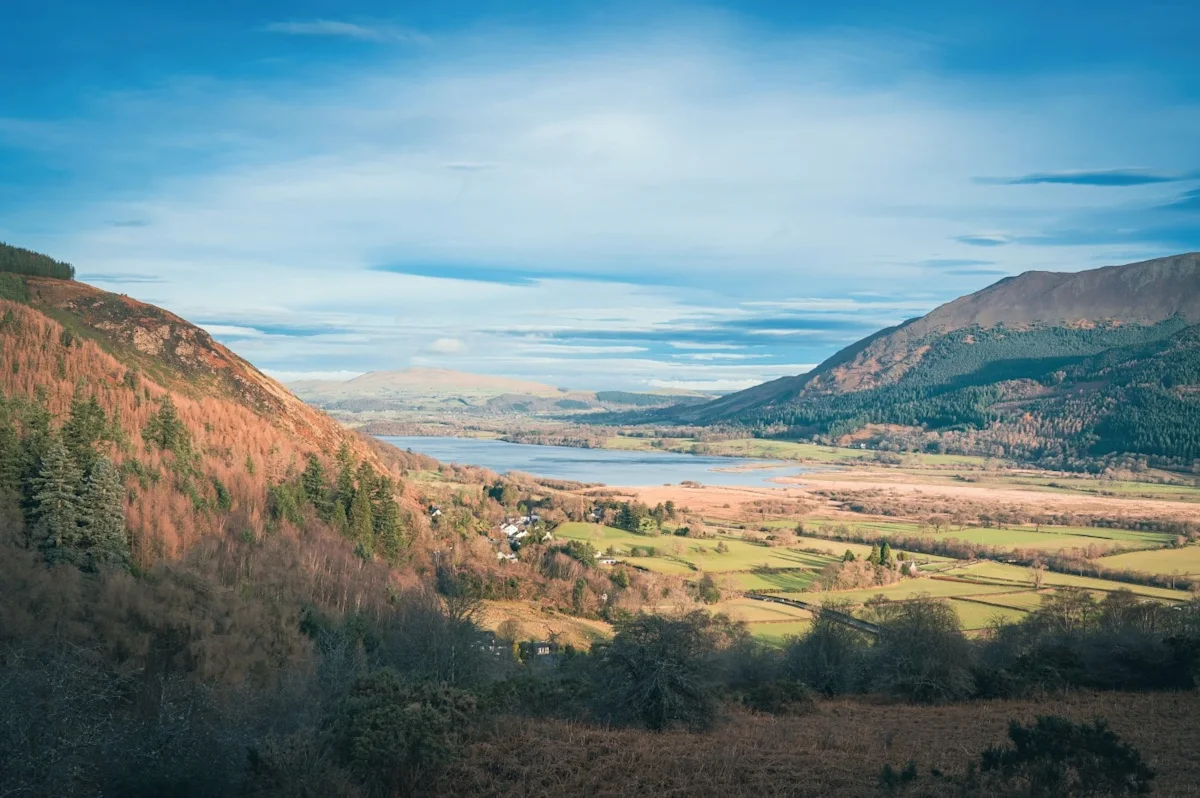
(751, 610)
(991, 573)
(778, 633)
(701, 554)
(981, 616)
(1184, 561)
(1029, 600)
(1044, 538)
(778, 581)
(910, 588)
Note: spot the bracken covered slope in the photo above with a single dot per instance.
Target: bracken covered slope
(60, 339)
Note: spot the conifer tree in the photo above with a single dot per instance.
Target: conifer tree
(885, 555)
(166, 430)
(389, 534)
(362, 528)
(56, 504)
(874, 556)
(313, 479)
(35, 441)
(345, 478)
(10, 455)
(103, 516)
(84, 428)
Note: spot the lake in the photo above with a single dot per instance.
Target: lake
(608, 466)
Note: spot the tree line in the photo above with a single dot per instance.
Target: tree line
(16, 260)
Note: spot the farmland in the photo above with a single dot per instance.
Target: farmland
(1184, 561)
(1026, 536)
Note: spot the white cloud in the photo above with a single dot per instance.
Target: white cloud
(348, 30)
(287, 377)
(447, 346)
(742, 182)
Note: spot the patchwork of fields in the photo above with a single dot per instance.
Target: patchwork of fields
(982, 592)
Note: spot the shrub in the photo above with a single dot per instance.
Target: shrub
(394, 736)
(780, 697)
(829, 658)
(1056, 757)
(921, 652)
(662, 672)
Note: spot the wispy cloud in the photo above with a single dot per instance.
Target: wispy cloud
(1100, 177)
(384, 34)
(983, 240)
(954, 263)
(580, 208)
(118, 278)
(1189, 201)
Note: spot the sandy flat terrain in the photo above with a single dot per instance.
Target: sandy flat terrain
(731, 502)
(901, 484)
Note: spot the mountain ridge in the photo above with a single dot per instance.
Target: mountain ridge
(975, 361)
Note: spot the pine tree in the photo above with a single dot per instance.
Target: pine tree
(338, 518)
(56, 504)
(103, 516)
(874, 556)
(166, 429)
(10, 456)
(389, 534)
(315, 488)
(362, 527)
(84, 428)
(345, 478)
(885, 555)
(35, 441)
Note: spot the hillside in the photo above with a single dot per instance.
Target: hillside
(1046, 366)
(129, 437)
(198, 435)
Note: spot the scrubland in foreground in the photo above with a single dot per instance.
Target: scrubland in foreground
(838, 749)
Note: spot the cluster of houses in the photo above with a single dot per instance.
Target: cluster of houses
(516, 529)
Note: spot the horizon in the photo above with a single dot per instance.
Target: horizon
(696, 197)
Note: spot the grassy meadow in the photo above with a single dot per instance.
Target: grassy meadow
(1183, 561)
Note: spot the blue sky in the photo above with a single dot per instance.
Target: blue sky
(636, 195)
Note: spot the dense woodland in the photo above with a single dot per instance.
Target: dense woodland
(16, 260)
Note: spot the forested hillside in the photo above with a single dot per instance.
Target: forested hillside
(129, 438)
(1007, 372)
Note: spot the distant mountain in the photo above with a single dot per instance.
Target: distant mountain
(457, 391)
(1045, 365)
(426, 382)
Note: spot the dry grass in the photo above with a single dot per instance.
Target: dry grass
(837, 751)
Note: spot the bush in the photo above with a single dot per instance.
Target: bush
(921, 653)
(780, 697)
(395, 736)
(1056, 757)
(662, 672)
(829, 658)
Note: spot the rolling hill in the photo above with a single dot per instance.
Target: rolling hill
(1054, 367)
(457, 392)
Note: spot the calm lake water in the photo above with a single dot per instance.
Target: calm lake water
(609, 466)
